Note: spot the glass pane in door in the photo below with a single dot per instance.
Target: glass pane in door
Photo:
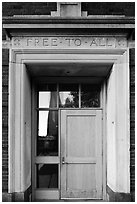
(68, 96)
(47, 175)
(90, 96)
(47, 140)
(48, 96)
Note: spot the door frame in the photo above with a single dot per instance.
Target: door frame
(117, 57)
(53, 194)
(57, 193)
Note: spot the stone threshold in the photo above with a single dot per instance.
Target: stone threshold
(71, 200)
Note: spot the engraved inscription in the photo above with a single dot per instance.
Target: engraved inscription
(72, 42)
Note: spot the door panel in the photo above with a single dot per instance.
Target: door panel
(79, 142)
(81, 151)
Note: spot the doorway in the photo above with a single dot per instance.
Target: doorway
(67, 139)
(81, 154)
(71, 67)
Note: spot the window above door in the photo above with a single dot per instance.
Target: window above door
(55, 96)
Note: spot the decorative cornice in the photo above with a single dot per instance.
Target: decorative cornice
(68, 20)
(47, 25)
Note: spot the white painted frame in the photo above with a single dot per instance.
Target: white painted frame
(18, 59)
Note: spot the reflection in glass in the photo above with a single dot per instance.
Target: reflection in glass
(68, 96)
(47, 141)
(47, 176)
(90, 96)
(48, 97)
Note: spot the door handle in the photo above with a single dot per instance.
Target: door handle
(63, 160)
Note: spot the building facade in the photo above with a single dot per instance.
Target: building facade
(68, 101)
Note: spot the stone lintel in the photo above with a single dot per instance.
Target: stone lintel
(69, 42)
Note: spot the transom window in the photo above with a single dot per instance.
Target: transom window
(53, 96)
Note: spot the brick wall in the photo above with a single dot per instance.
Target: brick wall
(5, 59)
(109, 8)
(44, 8)
(27, 8)
(132, 121)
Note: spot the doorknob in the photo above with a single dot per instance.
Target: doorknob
(63, 160)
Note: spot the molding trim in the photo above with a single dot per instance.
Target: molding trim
(61, 20)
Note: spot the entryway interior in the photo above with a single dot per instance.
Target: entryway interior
(67, 97)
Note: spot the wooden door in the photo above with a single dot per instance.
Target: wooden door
(81, 154)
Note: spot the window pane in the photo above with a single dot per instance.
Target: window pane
(68, 96)
(47, 141)
(90, 96)
(47, 176)
(48, 97)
